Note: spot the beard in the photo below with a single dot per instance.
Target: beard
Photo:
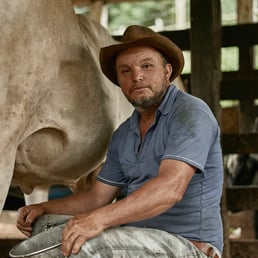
(147, 102)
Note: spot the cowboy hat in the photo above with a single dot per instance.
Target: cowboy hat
(136, 35)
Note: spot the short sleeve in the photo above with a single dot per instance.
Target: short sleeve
(111, 172)
(191, 132)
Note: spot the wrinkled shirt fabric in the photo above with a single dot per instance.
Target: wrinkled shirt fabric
(185, 129)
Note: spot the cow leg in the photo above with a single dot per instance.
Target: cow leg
(7, 160)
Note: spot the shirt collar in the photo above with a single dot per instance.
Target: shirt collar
(168, 100)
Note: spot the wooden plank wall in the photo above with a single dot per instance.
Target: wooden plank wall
(241, 85)
(234, 85)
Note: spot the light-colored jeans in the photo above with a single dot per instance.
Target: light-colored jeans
(124, 242)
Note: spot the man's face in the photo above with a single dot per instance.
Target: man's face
(143, 76)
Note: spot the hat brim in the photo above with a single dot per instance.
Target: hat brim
(165, 46)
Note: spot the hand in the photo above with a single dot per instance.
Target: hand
(78, 230)
(27, 215)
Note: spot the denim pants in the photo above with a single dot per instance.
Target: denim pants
(123, 242)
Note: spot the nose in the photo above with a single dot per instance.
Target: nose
(137, 75)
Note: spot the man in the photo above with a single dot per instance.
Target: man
(168, 157)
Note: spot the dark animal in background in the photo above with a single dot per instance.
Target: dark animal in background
(242, 169)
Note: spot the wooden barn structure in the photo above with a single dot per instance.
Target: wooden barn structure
(205, 39)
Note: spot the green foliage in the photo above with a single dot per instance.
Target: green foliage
(142, 13)
(229, 12)
(229, 59)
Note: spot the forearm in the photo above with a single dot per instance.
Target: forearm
(84, 201)
(148, 201)
(71, 205)
(153, 198)
(81, 202)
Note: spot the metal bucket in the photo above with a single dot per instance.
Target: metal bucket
(45, 240)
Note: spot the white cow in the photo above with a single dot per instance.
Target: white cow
(57, 110)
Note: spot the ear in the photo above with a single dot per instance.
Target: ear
(169, 70)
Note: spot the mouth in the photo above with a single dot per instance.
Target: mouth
(138, 89)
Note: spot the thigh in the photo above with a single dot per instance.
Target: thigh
(138, 243)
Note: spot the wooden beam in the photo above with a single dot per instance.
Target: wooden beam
(231, 75)
(239, 143)
(240, 35)
(234, 35)
(180, 37)
(239, 89)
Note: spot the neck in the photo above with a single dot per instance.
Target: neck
(147, 114)
(147, 118)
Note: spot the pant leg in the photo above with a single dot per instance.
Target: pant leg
(123, 242)
(133, 242)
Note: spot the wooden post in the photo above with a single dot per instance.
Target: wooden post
(205, 40)
(247, 108)
(246, 66)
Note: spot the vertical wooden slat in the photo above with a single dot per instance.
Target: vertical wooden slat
(205, 38)
(246, 64)
(205, 41)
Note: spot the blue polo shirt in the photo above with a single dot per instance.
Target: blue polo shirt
(184, 129)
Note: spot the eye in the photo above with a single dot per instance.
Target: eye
(147, 66)
(124, 71)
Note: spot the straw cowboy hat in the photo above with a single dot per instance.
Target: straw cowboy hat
(136, 35)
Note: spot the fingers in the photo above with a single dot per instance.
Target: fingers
(72, 244)
(23, 217)
(78, 230)
(26, 216)
(79, 241)
(68, 238)
(27, 232)
(73, 237)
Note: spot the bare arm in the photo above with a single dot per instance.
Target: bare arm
(153, 198)
(84, 201)
(87, 200)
